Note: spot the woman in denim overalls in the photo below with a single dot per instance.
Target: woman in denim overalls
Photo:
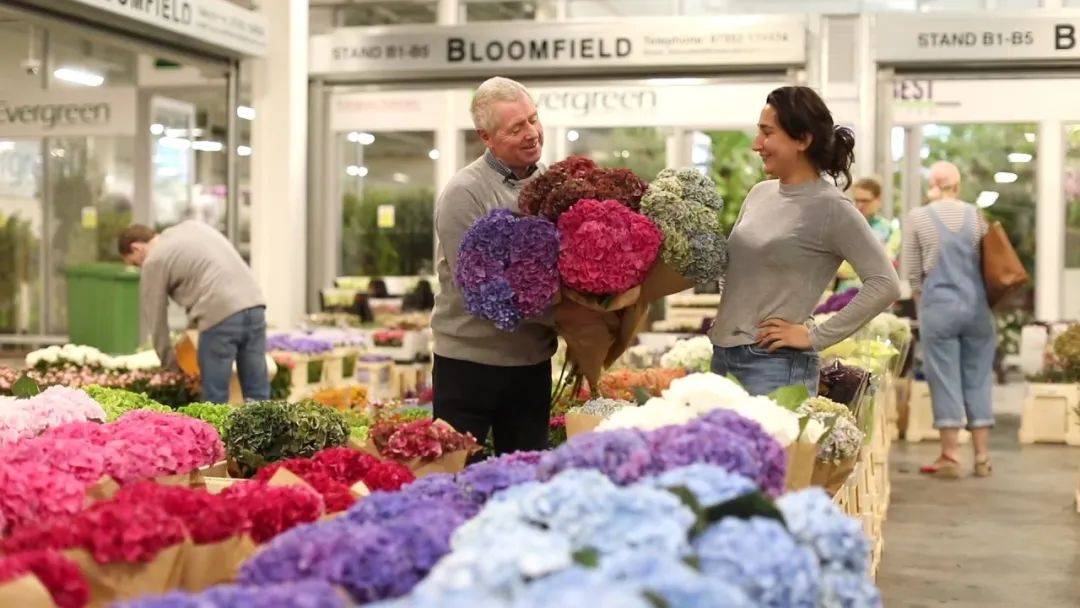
(958, 336)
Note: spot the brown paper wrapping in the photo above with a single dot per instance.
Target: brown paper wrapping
(216, 485)
(577, 424)
(831, 476)
(102, 489)
(25, 592)
(359, 490)
(215, 563)
(589, 335)
(124, 581)
(663, 280)
(801, 459)
(285, 477)
(451, 462)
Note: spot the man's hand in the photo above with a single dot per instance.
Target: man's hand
(775, 334)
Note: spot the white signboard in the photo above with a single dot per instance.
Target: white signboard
(917, 101)
(734, 105)
(630, 43)
(216, 22)
(106, 111)
(927, 38)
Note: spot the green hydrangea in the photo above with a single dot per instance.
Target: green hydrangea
(1067, 351)
(263, 432)
(825, 406)
(687, 208)
(212, 413)
(116, 401)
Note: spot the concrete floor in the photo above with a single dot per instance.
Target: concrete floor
(1012, 540)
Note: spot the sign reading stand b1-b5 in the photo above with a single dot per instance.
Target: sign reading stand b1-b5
(974, 38)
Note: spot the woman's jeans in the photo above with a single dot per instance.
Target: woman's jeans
(761, 372)
(240, 338)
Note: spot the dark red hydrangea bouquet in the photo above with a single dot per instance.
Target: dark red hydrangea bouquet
(58, 574)
(419, 440)
(576, 178)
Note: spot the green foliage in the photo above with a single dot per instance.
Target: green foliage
(735, 169)
(211, 413)
(646, 146)
(790, 397)
(18, 265)
(405, 249)
(263, 432)
(281, 383)
(25, 387)
(1067, 351)
(116, 402)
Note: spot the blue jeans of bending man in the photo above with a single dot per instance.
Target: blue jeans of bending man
(240, 339)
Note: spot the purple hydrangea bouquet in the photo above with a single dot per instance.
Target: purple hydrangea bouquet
(507, 267)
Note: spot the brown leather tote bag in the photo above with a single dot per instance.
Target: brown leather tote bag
(1003, 272)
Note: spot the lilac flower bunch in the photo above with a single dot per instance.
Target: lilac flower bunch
(710, 484)
(482, 480)
(819, 525)
(837, 301)
(723, 438)
(372, 561)
(507, 267)
(761, 558)
(307, 594)
(624, 455)
(298, 343)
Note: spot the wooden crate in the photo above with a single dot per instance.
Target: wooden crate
(1050, 414)
(921, 417)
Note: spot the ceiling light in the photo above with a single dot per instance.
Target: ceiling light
(1020, 157)
(245, 112)
(356, 171)
(924, 152)
(433, 154)
(77, 76)
(1005, 177)
(572, 135)
(243, 150)
(1030, 137)
(174, 143)
(986, 198)
(6, 145)
(360, 137)
(157, 128)
(205, 145)
(401, 178)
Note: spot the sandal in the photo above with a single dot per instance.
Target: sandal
(944, 468)
(983, 469)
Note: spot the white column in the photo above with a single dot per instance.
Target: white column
(279, 162)
(1049, 221)
(449, 12)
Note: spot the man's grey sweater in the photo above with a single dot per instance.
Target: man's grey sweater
(474, 192)
(199, 268)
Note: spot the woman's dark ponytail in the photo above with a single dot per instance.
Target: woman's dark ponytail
(842, 157)
(801, 112)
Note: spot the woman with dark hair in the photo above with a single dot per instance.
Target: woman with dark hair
(791, 235)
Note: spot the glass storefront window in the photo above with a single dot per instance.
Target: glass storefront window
(388, 197)
(726, 157)
(997, 162)
(643, 150)
(501, 10)
(474, 147)
(1072, 196)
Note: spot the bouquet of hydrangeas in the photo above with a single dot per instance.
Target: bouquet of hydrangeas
(605, 248)
(839, 449)
(73, 355)
(687, 208)
(568, 181)
(425, 445)
(693, 355)
(52, 407)
(627, 384)
(333, 473)
(118, 402)
(263, 432)
(506, 268)
(57, 574)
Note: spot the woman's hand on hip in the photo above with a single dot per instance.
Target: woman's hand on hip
(775, 334)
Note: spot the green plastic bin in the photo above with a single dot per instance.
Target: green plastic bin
(103, 306)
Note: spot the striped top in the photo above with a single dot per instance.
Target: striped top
(921, 237)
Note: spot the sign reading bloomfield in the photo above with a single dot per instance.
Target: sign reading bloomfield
(479, 48)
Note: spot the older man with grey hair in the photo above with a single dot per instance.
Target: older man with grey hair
(485, 379)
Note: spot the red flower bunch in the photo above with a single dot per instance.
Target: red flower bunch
(605, 248)
(273, 510)
(568, 181)
(424, 439)
(31, 491)
(58, 574)
(131, 532)
(208, 518)
(333, 471)
(388, 337)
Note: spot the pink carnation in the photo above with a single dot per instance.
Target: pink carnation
(605, 248)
